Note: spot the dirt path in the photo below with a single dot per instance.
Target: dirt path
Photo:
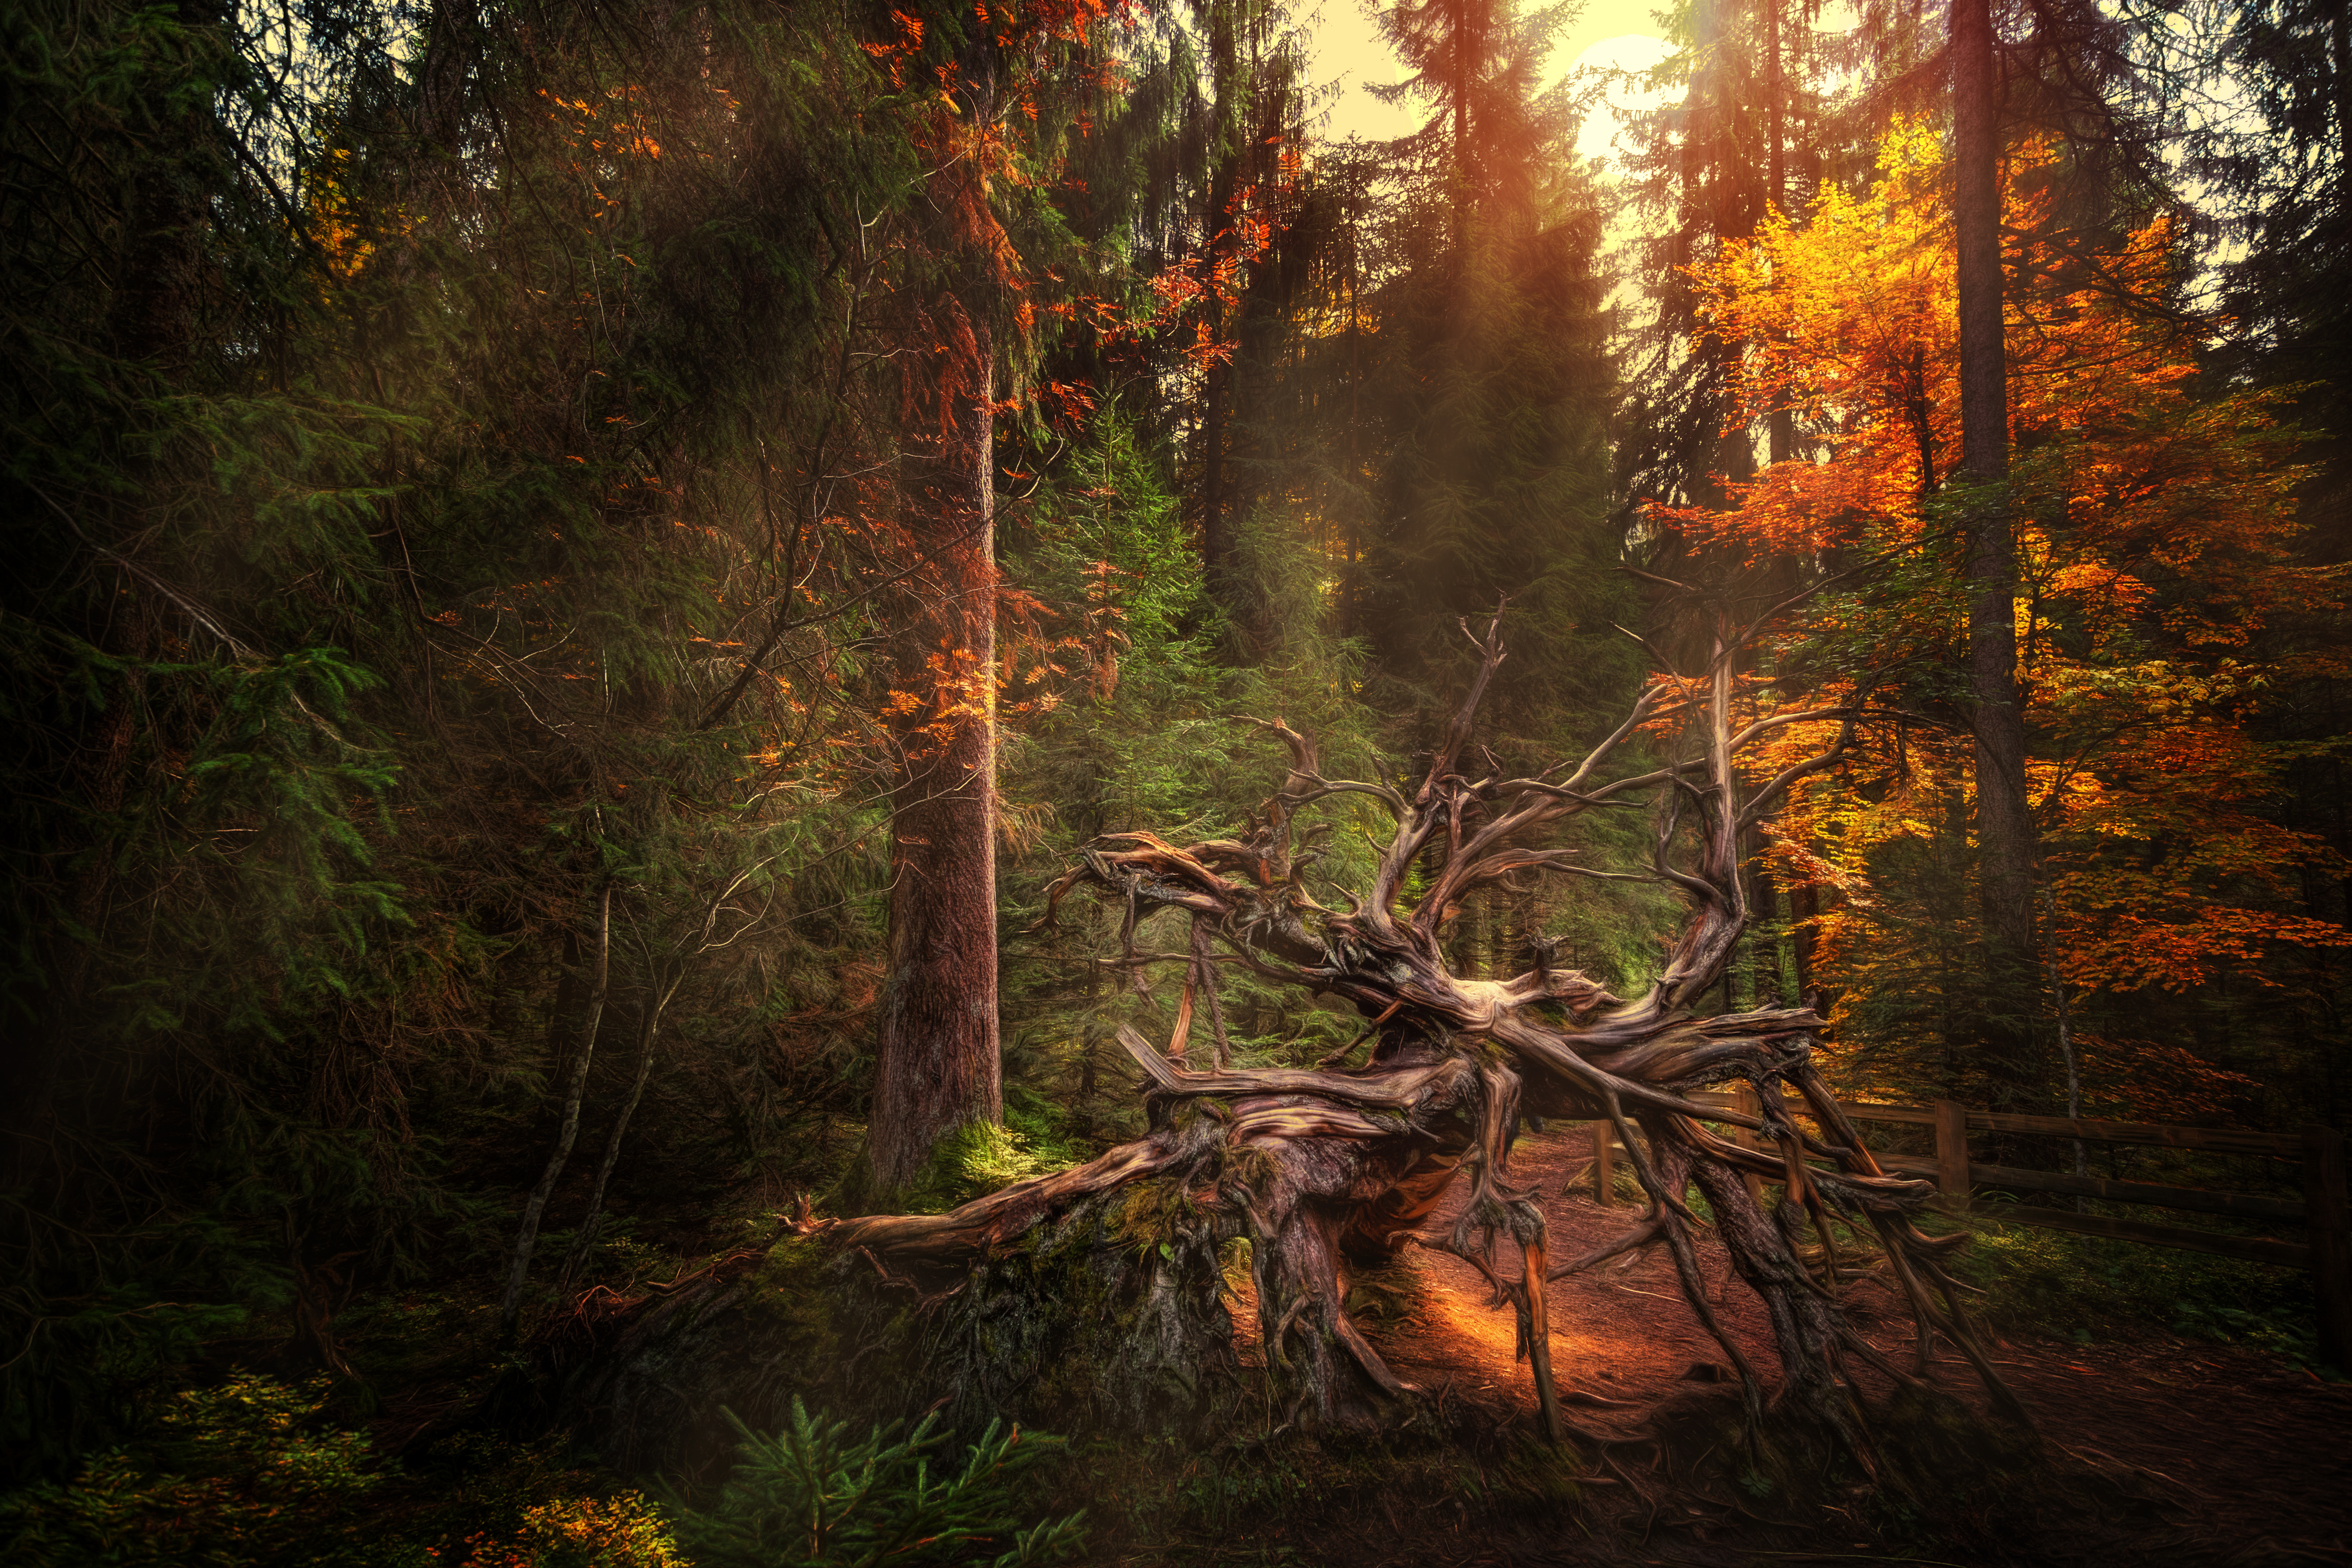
(2240, 1460)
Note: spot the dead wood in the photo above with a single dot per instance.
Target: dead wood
(1322, 1171)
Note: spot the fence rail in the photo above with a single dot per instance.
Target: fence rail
(2326, 1248)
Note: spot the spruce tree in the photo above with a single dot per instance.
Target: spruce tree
(1491, 390)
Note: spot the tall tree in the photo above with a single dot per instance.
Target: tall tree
(1742, 140)
(936, 1055)
(2004, 827)
(1489, 390)
(1257, 103)
(980, 258)
(2164, 541)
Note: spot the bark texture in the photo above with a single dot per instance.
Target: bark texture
(938, 1061)
(938, 1066)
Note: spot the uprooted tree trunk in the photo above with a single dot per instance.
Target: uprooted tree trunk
(1096, 1291)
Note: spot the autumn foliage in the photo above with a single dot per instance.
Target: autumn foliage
(2158, 546)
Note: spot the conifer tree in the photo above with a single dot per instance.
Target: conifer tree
(1490, 391)
(937, 1063)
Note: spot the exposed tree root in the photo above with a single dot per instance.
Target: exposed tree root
(1102, 1285)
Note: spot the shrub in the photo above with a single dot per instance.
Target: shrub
(245, 1476)
(225, 1476)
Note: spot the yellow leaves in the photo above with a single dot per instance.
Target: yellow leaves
(2154, 534)
(620, 1532)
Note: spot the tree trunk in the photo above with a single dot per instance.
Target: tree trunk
(938, 1065)
(575, 1087)
(2004, 828)
(1217, 561)
(648, 1032)
(1782, 423)
(150, 327)
(2339, 53)
(31, 1068)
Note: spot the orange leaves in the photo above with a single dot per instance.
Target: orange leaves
(896, 54)
(960, 690)
(1067, 405)
(2162, 871)
(1850, 320)
(2133, 951)
(2146, 1080)
(1197, 296)
(1176, 287)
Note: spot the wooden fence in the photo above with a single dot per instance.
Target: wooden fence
(2320, 1215)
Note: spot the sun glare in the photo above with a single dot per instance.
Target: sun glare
(1351, 55)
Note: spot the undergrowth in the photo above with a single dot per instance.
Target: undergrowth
(2089, 1288)
(1304, 1498)
(253, 1474)
(814, 1495)
(249, 1474)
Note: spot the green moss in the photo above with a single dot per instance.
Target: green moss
(981, 1157)
(791, 1288)
(1233, 1264)
(1155, 1213)
(1385, 1294)
(1108, 1319)
(1253, 1168)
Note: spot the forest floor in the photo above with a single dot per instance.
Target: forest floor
(2171, 1450)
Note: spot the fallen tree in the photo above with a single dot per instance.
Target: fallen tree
(1095, 1294)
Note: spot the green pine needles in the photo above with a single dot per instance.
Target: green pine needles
(811, 1495)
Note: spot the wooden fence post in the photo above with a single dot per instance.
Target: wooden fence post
(1604, 1162)
(2331, 1242)
(1952, 1152)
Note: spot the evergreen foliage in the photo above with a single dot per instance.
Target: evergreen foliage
(813, 1496)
